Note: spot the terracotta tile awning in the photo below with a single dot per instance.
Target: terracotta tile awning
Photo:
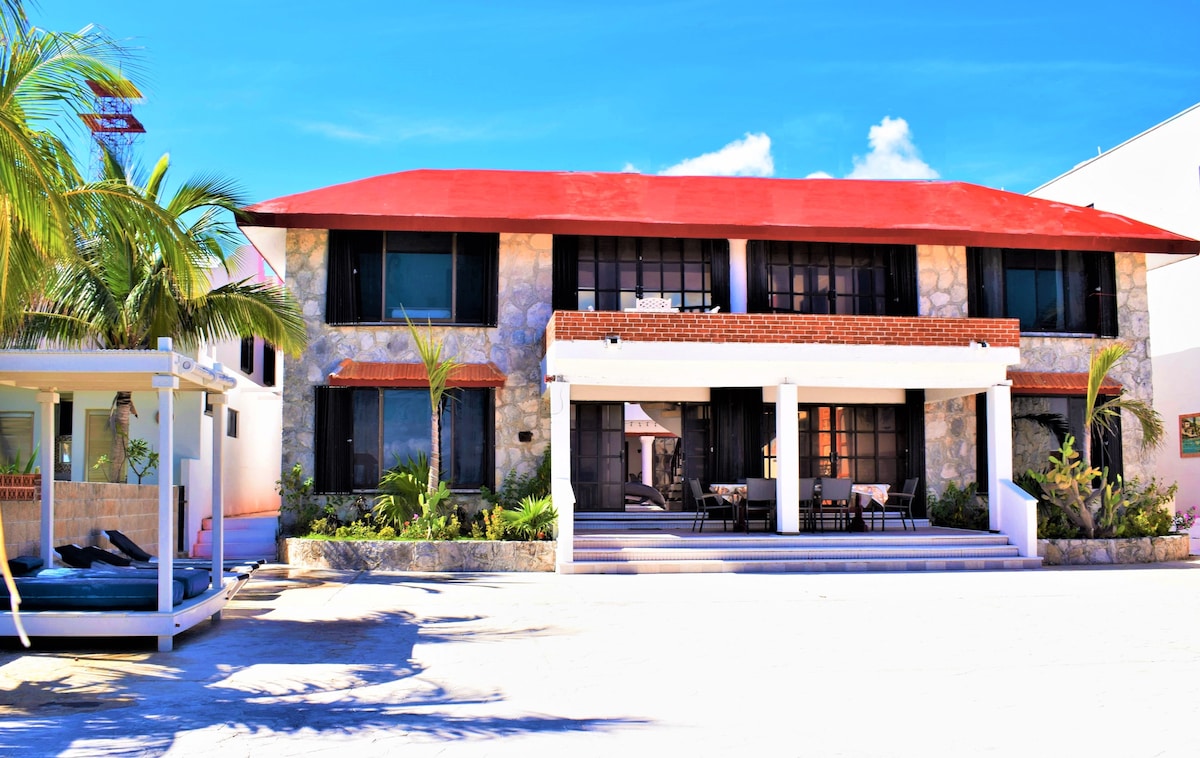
(351, 373)
(1050, 383)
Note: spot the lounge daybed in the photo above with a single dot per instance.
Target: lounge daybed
(71, 589)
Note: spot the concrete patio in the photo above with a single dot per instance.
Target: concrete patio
(1100, 662)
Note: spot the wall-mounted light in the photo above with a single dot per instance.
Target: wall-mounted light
(979, 343)
(525, 436)
(612, 339)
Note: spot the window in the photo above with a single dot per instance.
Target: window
(16, 437)
(231, 422)
(99, 443)
(822, 277)
(363, 430)
(247, 355)
(379, 277)
(1038, 420)
(268, 371)
(1050, 291)
(611, 273)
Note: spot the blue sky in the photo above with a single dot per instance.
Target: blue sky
(291, 95)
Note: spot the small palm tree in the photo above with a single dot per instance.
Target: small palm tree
(126, 288)
(1106, 414)
(437, 370)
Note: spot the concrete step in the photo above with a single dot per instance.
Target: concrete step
(799, 566)
(246, 537)
(630, 553)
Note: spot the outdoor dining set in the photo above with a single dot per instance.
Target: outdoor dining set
(841, 499)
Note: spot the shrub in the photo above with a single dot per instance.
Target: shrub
(532, 519)
(517, 487)
(959, 508)
(300, 507)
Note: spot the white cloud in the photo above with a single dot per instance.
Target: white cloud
(629, 168)
(893, 154)
(750, 156)
(819, 175)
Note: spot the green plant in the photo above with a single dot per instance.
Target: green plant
(28, 467)
(493, 524)
(437, 371)
(299, 505)
(1067, 484)
(532, 519)
(138, 456)
(958, 507)
(405, 495)
(516, 487)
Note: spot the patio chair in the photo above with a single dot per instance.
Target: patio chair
(900, 502)
(760, 502)
(808, 514)
(837, 497)
(709, 503)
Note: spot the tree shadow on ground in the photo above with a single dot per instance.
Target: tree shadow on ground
(254, 673)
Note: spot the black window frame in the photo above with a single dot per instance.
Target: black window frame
(609, 273)
(335, 438)
(247, 356)
(358, 270)
(802, 277)
(1092, 272)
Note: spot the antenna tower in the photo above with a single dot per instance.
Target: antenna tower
(113, 124)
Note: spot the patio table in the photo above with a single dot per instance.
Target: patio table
(866, 494)
(736, 494)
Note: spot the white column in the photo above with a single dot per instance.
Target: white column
(787, 462)
(647, 459)
(47, 399)
(737, 276)
(560, 470)
(166, 386)
(218, 401)
(1000, 450)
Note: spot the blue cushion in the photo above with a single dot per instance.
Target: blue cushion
(24, 565)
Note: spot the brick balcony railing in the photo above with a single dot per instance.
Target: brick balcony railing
(782, 328)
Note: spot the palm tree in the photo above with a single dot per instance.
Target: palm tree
(125, 288)
(437, 370)
(1106, 415)
(43, 85)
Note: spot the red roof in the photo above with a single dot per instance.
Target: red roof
(351, 373)
(1047, 383)
(818, 210)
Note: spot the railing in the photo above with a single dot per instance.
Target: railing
(783, 328)
(1016, 517)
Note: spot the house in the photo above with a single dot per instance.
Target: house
(873, 329)
(1153, 177)
(81, 433)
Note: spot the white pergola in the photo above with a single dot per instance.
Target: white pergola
(162, 371)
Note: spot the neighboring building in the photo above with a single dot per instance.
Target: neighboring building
(1155, 177)
(82, 432)
(873, 329)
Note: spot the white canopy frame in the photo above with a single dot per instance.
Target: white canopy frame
(165, 372)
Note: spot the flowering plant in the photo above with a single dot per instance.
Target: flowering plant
(1184, 519)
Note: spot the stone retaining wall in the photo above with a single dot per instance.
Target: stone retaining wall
(405, 555)
(1173, 547)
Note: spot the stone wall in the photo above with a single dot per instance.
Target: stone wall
(950, 424)
(1172, 547)
(1065, 354)
(82, 511)
(405, 555)
(514, 346)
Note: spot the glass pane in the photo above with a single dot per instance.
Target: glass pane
(405, 424)
(366, 468)
(464, 435)
(16, 437)
(419, 285)
(864, 444)
(887, 445)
